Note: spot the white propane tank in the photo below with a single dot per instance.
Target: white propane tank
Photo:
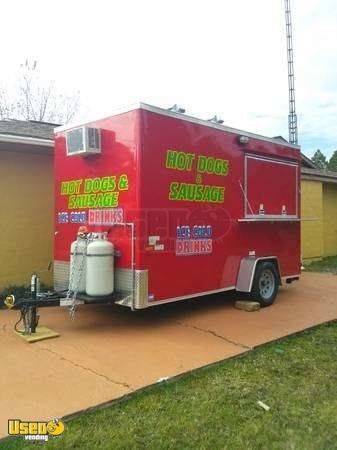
(78, 265)
(100, 267)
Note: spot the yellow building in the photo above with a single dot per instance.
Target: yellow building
(319, 212)
(26, 186)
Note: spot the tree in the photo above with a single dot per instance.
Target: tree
(319, 160)
(35, 99)
(332, 164)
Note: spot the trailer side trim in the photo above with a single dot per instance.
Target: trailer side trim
(186, 297)
(271, 218)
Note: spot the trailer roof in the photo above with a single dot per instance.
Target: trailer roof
(181, 116)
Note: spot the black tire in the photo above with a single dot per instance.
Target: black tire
(265, 284)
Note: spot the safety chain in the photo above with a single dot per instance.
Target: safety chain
(76, 274)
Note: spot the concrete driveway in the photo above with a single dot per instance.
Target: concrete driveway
(109, 351)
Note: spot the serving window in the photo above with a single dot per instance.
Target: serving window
(270, 188)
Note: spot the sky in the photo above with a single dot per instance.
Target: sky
(212, 57)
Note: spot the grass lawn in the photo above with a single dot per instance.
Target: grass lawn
(328, 264)
(216, 407)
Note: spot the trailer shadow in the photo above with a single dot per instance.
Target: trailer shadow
(104, 317)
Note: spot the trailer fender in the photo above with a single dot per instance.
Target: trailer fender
(247, 268)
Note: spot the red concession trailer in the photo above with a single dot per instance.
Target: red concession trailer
(191, 207)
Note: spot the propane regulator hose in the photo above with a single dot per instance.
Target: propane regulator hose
(22, 315)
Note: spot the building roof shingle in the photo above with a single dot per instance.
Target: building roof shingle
(30, 128)
(319, 175)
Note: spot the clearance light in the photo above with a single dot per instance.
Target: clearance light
(243, 140)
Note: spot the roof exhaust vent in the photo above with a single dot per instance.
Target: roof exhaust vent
(216, 119)
(177, 109)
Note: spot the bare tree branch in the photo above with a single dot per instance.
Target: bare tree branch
(35, 99)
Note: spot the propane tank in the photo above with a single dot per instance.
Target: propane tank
(78, 265)
(100, 267)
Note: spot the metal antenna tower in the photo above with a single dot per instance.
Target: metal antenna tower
(292, 117)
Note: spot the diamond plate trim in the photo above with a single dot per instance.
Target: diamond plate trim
(61, 275)
(123, 282)
(141, 299)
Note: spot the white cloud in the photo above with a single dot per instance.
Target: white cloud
(214, 57)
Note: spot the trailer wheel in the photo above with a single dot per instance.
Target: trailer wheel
(265, 285)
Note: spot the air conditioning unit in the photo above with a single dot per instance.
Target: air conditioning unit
(83, 141)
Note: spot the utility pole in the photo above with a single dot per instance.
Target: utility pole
(292, 117)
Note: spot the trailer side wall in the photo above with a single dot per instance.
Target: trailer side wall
(192, 183)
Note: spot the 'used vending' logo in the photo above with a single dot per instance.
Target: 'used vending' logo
(35, 431)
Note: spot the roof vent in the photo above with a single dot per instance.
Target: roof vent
(216, 119)
(177, 109)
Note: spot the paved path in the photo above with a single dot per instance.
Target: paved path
(110, 351)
